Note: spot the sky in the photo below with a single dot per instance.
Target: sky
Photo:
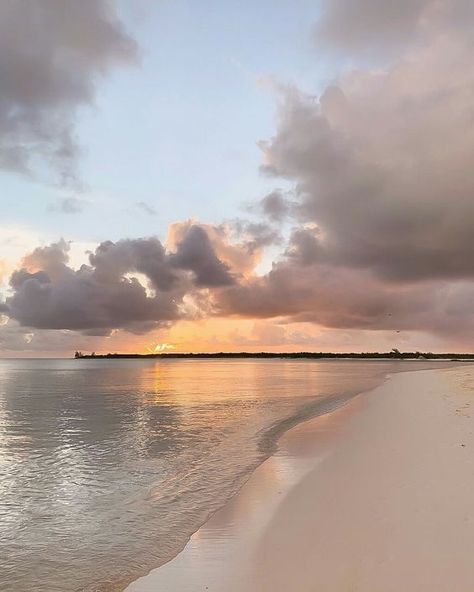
(222, 176)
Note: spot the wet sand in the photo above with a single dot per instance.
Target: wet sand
(376, 496)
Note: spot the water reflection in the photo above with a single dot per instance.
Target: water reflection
(107, 466)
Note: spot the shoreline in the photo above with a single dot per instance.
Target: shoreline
(393, 355)
(226, 551)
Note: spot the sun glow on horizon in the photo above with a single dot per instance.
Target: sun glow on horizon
(156, 348)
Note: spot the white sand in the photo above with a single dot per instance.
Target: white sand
(375, 497)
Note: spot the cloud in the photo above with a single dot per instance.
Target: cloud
(355, 25)
(343, 298)
(382, 164)
(58, 297)
(195, 253)
(239, 244)
(108, 293)
(276, 206)
(364, 25)
(52, 55)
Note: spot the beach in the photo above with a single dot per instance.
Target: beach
(374, 496)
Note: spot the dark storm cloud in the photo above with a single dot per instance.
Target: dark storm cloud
(104, 295)
(52, 54)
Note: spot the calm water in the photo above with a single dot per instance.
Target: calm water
(107, 466)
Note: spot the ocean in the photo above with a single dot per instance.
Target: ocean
(108, 466)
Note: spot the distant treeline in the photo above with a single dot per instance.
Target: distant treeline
(392, 355)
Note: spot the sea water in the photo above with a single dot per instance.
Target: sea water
(108, 466)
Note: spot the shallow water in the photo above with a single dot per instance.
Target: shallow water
(107, 466)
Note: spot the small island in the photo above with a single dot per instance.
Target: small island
(394, 354)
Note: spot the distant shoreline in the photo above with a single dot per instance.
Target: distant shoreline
(393, 355)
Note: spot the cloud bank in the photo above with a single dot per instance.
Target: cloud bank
(381, 166)
(107, 294)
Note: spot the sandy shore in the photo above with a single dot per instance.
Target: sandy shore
(374, 497)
